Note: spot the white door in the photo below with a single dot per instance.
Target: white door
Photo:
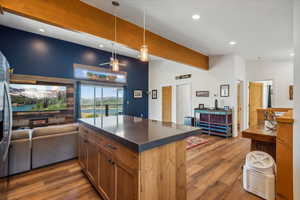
(183, 102)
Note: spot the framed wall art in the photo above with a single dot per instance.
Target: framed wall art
(154, 94)
(137, 94)
(202, 93)
(201, 106)
(224, 90)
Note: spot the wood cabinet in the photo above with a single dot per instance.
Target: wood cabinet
(125, 180)
(284, 156)
(118, 173)
(111, 167)
(107, 176)
(92, 161)
(82, 151)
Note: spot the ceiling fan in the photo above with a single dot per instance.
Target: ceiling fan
(114, 62)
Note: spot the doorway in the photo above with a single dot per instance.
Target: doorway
(183, 102)
(239, 107)
(167, 104)
(260, 96)
(255, 101)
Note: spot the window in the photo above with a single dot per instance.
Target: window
(100, 101)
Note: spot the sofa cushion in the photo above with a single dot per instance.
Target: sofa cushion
(20, 134)
(49, 130)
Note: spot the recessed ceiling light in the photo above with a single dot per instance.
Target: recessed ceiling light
(101, 45)
(42, 30)
(232, 43)
(196, 17)
(292, 54)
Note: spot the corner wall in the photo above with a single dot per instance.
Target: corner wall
(227, 69)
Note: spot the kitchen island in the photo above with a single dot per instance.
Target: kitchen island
(129, 158)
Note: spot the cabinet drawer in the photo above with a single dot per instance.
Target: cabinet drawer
(82, 132)
(87, 133)
(99, 140)
(123, 155)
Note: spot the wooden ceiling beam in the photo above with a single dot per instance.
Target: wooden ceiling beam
(78, 16)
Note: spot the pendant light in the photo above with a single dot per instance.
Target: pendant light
(114, 63)
(144, 52)
(114, 60)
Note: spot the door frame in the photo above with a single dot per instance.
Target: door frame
(239, 86)
(175, 99)
(247, 110)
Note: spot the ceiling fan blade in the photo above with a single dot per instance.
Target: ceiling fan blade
(103, 64)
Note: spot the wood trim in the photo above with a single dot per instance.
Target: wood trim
(78, 16)
(27, 79)
(275, 109)
(287, 117)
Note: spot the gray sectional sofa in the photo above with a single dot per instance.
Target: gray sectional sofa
(54, 144)
(20, 151)
(43, 146)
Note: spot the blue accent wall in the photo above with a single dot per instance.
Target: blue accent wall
(33, 54)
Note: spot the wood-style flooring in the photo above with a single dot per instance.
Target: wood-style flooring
(214, 173)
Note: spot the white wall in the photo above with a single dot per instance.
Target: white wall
(297, 100)
(223, 70)
(281, 74)
(240, 76)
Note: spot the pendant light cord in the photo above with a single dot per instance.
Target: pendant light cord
(115, 33)
(144, 39)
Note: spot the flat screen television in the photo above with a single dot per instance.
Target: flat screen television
(26, 97)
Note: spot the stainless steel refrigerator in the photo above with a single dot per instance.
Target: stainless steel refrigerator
(5, 125)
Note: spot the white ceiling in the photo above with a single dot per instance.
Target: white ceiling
(29, 25)
(262, 28)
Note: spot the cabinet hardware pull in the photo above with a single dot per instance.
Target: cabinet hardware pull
(111, 146)
(111, 161)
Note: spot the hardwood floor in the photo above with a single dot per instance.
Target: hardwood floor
(63, 181)
(214, 173)
(215, 170)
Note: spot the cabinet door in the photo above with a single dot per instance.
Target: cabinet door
(126, 184)
(82, 152)
(92, 161)
(284, 182)
(107, 175)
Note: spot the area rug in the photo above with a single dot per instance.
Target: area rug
(195, 141)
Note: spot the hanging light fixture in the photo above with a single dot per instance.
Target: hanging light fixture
(114, 60)
(144, 52)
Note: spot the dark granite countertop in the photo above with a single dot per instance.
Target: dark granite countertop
(139, 134)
